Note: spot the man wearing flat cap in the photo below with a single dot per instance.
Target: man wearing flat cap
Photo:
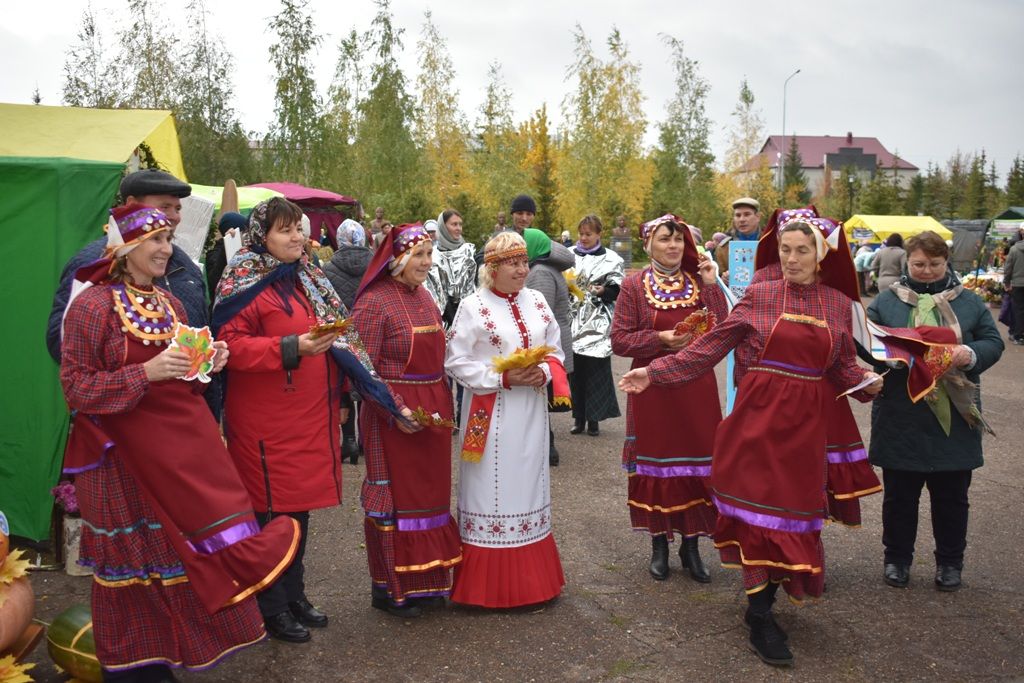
(184, 279)
(746, 227)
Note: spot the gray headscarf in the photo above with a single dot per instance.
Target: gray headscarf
(445, 241)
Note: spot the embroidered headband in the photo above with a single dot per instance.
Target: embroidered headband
(131, 225)
(513, 252)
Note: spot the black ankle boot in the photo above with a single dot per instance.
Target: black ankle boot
(689, 553)
(659, 558)
(578, 427)
(767, 640)
(350, 450)
(592, 428)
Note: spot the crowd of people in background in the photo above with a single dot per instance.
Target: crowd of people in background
(379, 342)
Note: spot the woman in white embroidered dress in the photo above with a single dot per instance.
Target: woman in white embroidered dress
(509, 554)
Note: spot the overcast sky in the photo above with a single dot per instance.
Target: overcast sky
(926, 78)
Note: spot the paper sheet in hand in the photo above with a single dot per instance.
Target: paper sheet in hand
(858, 387)
(232, 242)
(190, 235)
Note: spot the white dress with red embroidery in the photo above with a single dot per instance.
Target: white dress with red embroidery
(509, 554)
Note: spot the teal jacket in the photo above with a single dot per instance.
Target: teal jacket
(907, 436)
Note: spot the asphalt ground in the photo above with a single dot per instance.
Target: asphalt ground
(613, 622)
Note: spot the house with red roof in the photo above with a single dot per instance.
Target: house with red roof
(828, 153)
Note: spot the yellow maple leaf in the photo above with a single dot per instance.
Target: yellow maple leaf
(12, 672)
(522, 358)
(13, 567)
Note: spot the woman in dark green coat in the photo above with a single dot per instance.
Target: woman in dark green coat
(935, 442)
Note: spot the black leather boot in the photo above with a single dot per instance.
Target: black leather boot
(578, 427)
(552, 451)
(689, 553)
(767, 641)
(896, 575)
(285, 626)
(659, 558)
(947, 578)
(350, 450)
(592, 428)
(307, 614)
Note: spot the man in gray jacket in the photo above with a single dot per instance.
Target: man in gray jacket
(1013, 280)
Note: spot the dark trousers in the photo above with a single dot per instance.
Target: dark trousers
(1017, 302)
(948, 493)
(289, 586)
(348, 430)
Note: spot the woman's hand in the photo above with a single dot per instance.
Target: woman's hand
(876, 386)
(221, 359)
(343, 413)
(526, 377)
(314, 346)
(961, 356)
(597, 290)
(672, 341)
(635, 381)
(408, 425)
(708, 269)
(168, 364)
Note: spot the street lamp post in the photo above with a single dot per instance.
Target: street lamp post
(782, 178)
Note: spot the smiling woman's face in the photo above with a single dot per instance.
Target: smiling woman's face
(799, 256)
(149, 259)
(285, 240)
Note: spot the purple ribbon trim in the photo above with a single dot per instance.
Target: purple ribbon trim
(423, 523)
(813, 372)
(767, 521)
(223, 539)
(674, 471)
(93, 465)
(837, 457)
(418, 378)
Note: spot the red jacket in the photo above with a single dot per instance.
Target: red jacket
(282, 431)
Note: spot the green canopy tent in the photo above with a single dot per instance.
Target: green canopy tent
(54, 203)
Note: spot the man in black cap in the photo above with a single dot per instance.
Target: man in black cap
(160, 190)
(523, 211)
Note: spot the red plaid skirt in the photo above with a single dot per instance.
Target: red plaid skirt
(144, 611)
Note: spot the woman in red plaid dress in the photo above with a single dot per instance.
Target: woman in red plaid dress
(170, 531)
(667, 474)
(412, 540)
(768, 468)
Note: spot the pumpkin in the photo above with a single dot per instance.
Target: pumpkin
(70, 643)
(16, 611)
(5, 541)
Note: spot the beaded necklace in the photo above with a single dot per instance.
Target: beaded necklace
(669, 291)
(145, 314)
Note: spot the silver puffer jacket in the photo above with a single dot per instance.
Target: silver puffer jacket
(592, 317)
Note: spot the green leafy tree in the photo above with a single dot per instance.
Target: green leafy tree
(440, 129)
(496, 154)
(540, 164)
(602, 168)
(1015, 182)
(956, 185)
(291, 147)
(341, 114)
(746, 135)
(149, 59)
(933, 196)
(91, 77)
(976, 189)
(684, 175)
(387, 166)
(793, 177)
(214, 146)
(913, 201)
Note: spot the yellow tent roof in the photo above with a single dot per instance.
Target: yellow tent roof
(905, 226)
(28, 130)
(248, 197)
